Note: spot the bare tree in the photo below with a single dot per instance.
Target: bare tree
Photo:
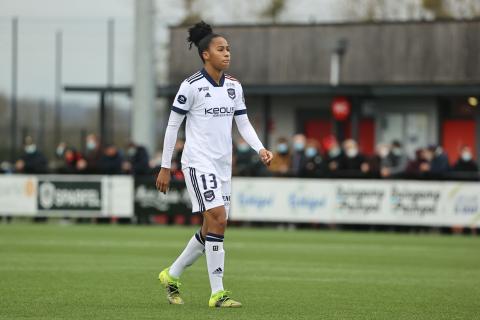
(191, 17)
(273, 10)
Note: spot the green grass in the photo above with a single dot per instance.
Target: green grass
(110, 272)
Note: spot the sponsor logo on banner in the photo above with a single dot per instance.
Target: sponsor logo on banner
(70, 195)
(467, 205)
(359, 199)
(310, 203)
(255, 201)
(146, 196)
(417, 202)
(18, 195)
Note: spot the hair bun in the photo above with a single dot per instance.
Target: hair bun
(199, 31)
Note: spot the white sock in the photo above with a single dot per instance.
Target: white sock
(215, 260)
(193, 250)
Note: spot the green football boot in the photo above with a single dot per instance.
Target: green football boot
(171, 284)
(221, 299)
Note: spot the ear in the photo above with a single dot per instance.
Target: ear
(206, 55)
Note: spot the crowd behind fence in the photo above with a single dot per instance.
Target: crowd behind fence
(294, 157)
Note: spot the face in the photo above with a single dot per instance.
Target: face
(218, 54)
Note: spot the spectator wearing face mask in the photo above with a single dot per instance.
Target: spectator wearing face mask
(381, 163)
(465, 162)
(247, 163)
(439, 165)
(32, 160)
(333, 155)
(353, 163)
(298, 154)
(89, 163)
(314, 165)
(281, 162)
(137, 160)
(398, 159)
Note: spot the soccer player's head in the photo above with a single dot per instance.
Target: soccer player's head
(212, 48)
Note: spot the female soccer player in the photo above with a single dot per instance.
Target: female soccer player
(210, 99)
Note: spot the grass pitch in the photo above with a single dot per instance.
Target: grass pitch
(110, 272)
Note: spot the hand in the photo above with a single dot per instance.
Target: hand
(266, 156)
(385, 172)
(163, 180)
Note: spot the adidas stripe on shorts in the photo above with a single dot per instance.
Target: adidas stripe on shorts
(206, 190)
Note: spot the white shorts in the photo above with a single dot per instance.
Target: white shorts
(206, 190)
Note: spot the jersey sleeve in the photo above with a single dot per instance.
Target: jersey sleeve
(184, 99)
(240, 106)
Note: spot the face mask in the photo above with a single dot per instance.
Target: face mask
(311, 152)
(351, 153)
(383, 153)
(282, 148)
(131, 151)
(60, 151)
(397, 151)
(91, 145)
(243, 147)
(31, 148)
(334, 152)
(466, 156)
(299, 146)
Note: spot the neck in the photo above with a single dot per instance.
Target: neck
(214, 73)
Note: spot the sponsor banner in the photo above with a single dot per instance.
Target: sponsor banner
(18, 195)
(149, 201)
(80, 196)
(357, 202)
(119, 199)
(281, 199)
(72, 194)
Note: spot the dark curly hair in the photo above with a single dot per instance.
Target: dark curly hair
(200, 35)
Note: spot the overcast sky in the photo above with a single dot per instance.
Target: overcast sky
(83, 24)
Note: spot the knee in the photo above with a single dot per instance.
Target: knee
(220, 222)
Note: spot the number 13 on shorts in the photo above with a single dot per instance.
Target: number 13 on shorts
(206, 190)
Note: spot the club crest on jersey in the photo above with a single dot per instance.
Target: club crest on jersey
(231, 93)
(182, 99)
(209, 195)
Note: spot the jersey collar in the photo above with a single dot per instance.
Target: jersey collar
(207, 76)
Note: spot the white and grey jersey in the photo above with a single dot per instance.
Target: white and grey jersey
(209, 108)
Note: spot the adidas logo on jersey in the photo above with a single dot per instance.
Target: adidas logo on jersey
(218, 271)
(207, 95)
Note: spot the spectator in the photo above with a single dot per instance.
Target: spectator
(111, 161)
(298, 155)
(398, 160)
(137, 160)
(6, 167)
(60, 150)
(90, 162)
(381, 162)
(314, 166)
(352, 163)
(439, 163)
(32, 161)
(70, 158)
(420, 166)
(281, 161)
(333, 154)
(465, 162)
(247, 162)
